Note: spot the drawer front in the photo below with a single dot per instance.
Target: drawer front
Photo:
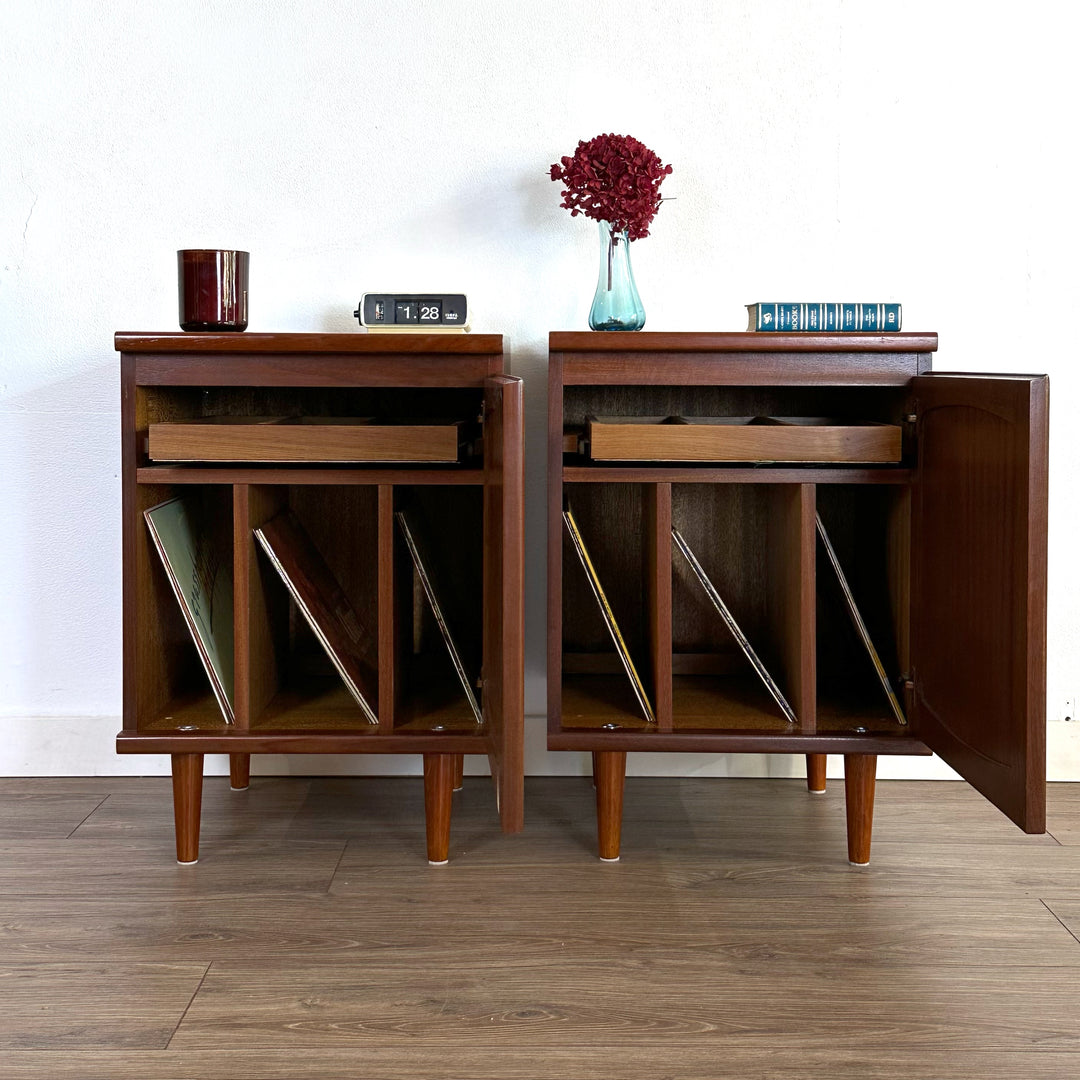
(741, 439)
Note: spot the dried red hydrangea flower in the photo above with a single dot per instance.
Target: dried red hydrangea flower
(613, 178)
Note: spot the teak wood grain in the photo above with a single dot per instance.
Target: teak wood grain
(979, 584)
(658, 593)
(276, 439)
(741, 359)
(503, 629)
(287, 696)
(941, 551)
(726, 342)
(262, 611)
(311, 475)
(625, 439)
(790, 584)
(293, 344)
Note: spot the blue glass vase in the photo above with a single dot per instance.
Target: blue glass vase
(616, 305)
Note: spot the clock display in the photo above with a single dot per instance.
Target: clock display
(430, 310)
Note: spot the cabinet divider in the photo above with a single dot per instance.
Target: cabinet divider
(255, 650)
(792, 595)
(658, 597)
(389, 635)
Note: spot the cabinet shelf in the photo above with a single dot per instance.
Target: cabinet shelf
(733, 474)
(736, 702)
(286, 695)
(319, 703)
(275, 474)
(195, 713)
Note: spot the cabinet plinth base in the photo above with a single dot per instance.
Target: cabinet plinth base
(735, 742)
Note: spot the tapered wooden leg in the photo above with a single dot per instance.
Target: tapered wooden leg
(459, 771)
(594, 768)
(239, 771)
(438, 800)
(859, 773)
(815, 772)
(187, 773)
(610, 778)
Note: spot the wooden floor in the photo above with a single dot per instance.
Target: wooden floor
(732, 940)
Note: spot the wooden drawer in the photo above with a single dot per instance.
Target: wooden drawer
(740, 438)
(300, 439)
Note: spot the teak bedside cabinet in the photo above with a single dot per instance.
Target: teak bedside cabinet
(366, 428)
(932, 489)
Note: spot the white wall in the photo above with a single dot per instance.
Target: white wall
(918, 151)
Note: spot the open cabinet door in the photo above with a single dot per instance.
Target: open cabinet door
(979, 584)
(503, 699)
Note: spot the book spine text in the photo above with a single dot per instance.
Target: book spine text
(825, 318)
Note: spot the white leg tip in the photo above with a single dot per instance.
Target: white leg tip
(816, 791)
(180, 862)
(850, 863)
(244, 788)
(602, 859)
(432, 862)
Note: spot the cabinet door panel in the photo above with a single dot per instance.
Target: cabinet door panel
(979, 584)
(504, 624)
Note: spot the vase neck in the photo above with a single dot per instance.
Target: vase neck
(616, 305)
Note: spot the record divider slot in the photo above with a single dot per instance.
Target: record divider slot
(792, 595)
(658, 570)
(256, 652)
(391, 656)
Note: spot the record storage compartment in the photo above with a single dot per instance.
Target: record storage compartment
(287, 695)
(971, 462)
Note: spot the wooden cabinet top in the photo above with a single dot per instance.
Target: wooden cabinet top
(591, 341)
(357, 359)
(592, 358)
(365, 344)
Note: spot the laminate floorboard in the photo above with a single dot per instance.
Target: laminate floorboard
(657, 1003)
(45, 815)
(518, 1063)
(733, 939)
(71, 869)
(995, 933)
(85, 1006)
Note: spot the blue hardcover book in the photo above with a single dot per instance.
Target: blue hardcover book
(825, 318)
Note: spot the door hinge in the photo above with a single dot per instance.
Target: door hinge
(907, 693)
